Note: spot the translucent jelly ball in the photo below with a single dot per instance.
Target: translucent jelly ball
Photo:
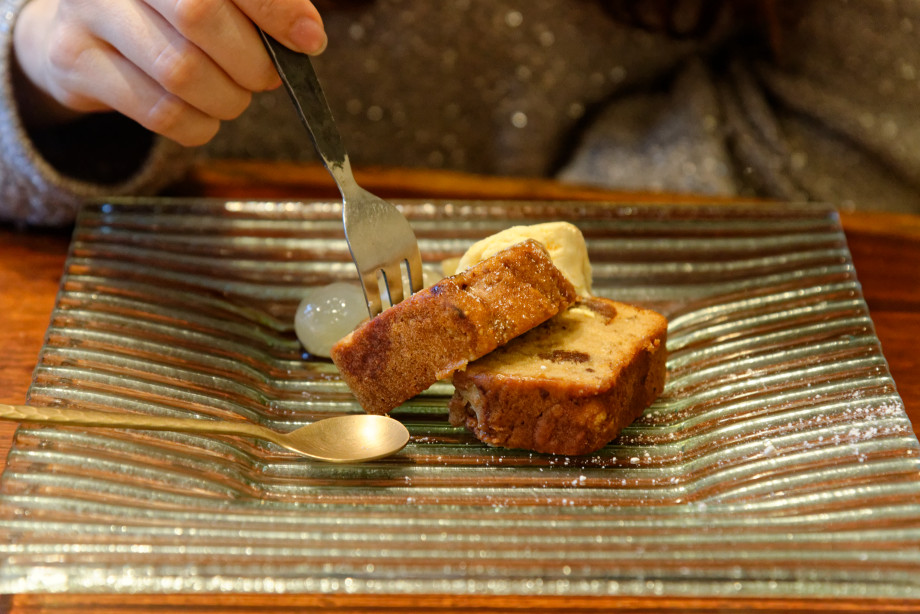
(328, 313)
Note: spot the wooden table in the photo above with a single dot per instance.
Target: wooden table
(886, 253)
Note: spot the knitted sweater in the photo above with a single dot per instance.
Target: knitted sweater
(549, 88)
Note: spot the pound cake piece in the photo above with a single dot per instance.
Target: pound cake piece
(438, 330)
(568, 386)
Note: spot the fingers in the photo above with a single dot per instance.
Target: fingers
(117, 83)
(225, 35)
(295, 23)
(135, 62)
(145, 39)
(226, 32)
(178, 67)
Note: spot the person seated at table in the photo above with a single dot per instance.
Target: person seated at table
(812, 100)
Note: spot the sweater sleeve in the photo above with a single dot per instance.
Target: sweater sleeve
(831, 117)
(843, 99)
(44, 176)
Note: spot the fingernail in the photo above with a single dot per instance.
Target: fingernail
(309, 36)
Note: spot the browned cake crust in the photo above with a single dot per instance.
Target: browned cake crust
(568, 386)
(428, 336)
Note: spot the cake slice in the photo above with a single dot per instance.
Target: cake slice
(437, 331)
(568, 386)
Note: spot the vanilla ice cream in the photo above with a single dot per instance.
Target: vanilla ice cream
(563, 241)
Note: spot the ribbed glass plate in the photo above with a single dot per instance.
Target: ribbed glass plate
(779, 460)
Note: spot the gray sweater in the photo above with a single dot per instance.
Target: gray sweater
(554, 88)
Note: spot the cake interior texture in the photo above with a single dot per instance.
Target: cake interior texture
(568, 386)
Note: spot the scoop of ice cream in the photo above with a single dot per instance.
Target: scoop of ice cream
(563, 241)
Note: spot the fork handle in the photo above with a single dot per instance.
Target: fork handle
(89, 417)
(302, 85)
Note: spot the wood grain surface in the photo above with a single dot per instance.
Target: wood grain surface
(886, 253)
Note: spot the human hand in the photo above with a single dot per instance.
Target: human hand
(177, 67)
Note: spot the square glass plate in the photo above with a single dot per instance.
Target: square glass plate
(779, 460)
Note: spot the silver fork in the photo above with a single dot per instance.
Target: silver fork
(380, 239)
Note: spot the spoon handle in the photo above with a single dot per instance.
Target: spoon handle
(88, 417)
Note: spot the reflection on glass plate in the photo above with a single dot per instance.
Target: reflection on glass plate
(779, 460)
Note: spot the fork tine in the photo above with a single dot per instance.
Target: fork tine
(392, 278)
(416, 279)
(371, 292)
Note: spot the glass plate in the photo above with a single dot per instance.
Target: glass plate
(779, 460)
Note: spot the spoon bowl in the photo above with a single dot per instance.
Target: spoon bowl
(342, 439)
(345, 439)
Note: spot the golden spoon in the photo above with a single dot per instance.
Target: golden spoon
(341, 439)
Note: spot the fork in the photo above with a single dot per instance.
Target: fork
(380, 239)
